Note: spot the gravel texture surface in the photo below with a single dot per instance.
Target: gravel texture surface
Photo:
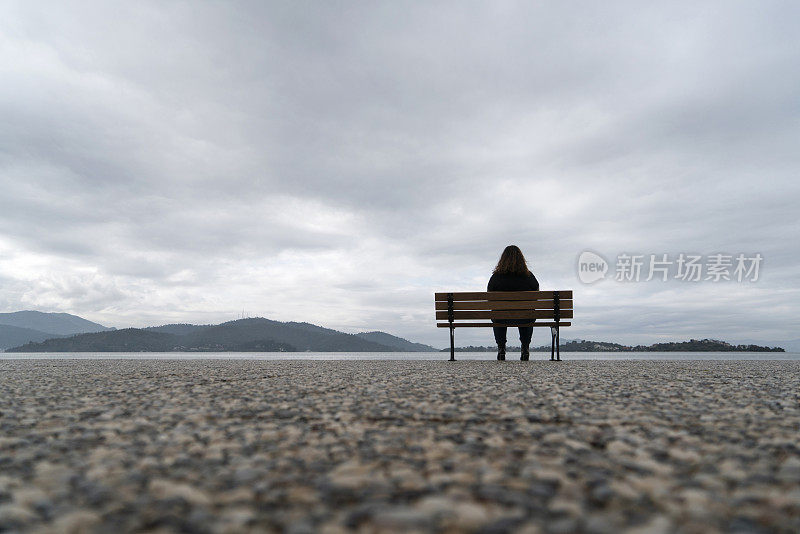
(369, 446)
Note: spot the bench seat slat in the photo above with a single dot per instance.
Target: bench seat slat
(473, 325)
(508, 314)
(504, 295)
(505, 305)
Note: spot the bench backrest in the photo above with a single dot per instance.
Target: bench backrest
(458, 308)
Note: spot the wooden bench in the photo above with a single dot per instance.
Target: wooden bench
(547, 308)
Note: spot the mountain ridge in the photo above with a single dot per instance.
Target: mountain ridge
(64, 324)
(23, 326)
(396, 342)
(252, 334)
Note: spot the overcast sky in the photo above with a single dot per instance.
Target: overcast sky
(337, 163)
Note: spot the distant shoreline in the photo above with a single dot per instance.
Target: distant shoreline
(33, 331)
(693, 345)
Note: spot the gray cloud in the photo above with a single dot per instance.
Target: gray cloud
(338, 163)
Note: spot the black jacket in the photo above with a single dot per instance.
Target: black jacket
(513, 282)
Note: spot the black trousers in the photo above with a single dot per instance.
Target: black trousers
(525, 334)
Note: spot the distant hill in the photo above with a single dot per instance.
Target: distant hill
(790, 345)
(123, 340)
(703, 345)
(300, 336)
(21, 327)
(63, 324)
(178, 329)
(11, 336)
(149, 340)
(258, 334)
(395, 342)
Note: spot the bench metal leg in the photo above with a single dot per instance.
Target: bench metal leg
(452, 344)
(555, 349)
(558, 344)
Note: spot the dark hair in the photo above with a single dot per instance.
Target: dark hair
(512, 262)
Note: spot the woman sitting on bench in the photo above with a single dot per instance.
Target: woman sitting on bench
(512, 274)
